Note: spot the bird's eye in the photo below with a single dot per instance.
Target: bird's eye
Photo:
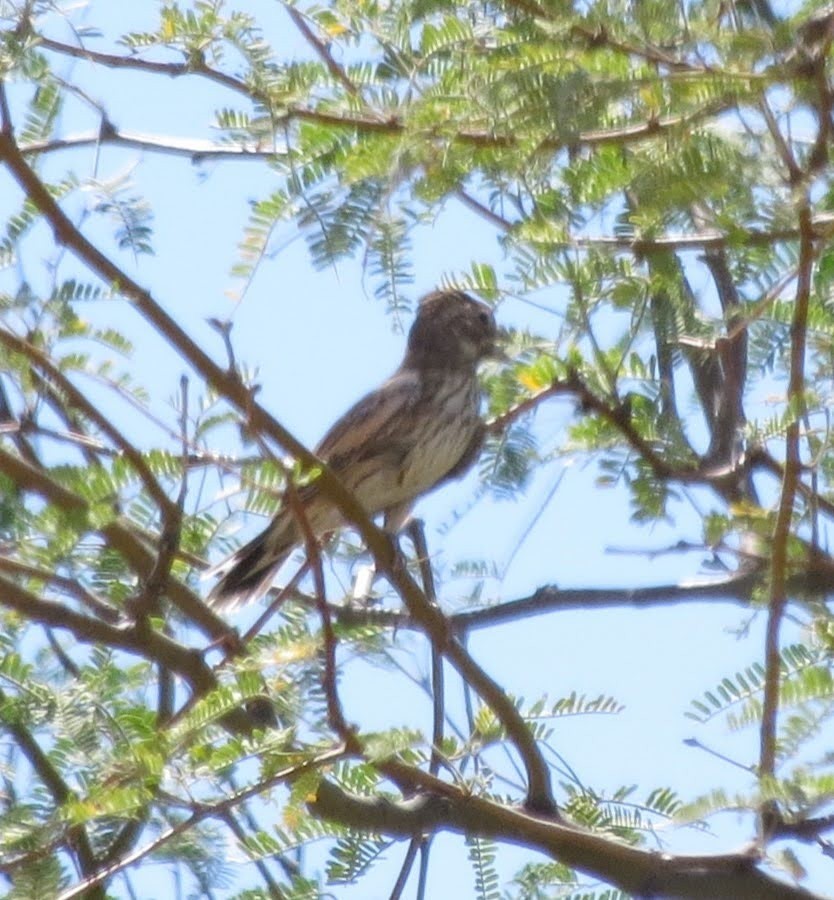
(485, 318)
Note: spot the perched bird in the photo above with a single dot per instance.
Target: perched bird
(418, 429)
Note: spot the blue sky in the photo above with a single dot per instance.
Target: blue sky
(319, 340)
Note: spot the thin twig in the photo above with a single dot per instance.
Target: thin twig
(335, 715)
(437, 689)
(61, 793)
(418, 536)
(280, 597)
(238, 831)
(67, 585)
(322, 49)
(147, 603)
(439, 632)
(784, 514)
(202, 812)
(194, 149)
(386, 123)
(483, 210)
(406, 867)
(501, 423)
(705, 239)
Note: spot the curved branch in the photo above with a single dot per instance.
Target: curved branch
(137, 550)
(638, 872)
(383, 122)
(134, 639)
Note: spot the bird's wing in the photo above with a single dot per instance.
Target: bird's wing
(376, 426)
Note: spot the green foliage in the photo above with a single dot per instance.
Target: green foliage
(482, 858)
(507, 462)
(487, 728)
(806, 698)
(618, 814)
(352, 857)
(42, 112)
(536, 881)
(806, 676)
(129, 212)
(19, 224)
(541, 881)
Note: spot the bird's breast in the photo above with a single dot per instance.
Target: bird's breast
(444, 424)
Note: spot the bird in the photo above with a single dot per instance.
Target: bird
(418, 429)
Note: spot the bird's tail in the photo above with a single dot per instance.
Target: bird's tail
(248, 572)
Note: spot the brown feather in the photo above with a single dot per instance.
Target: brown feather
(418, 429)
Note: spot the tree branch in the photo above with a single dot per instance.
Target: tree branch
(227, 384)
(201, 813)
(196, 150)
(69, 586)
(784, 514)
(814, 580)
(437, 628)
(134, 639)
(385, 122)
(705, 239)
(194, 66)
(136, 549)
(89, 411)
(321, 49)
(61, 793)
(638, 872)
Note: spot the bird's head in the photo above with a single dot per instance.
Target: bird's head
(451, 331)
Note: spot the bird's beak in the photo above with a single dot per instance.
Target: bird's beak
(499, 348)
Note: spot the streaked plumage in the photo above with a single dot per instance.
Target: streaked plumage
(419, 428)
